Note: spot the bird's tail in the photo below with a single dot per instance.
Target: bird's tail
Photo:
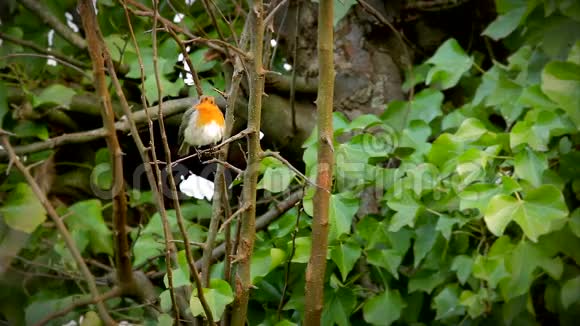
(183, 149)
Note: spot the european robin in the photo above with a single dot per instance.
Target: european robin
(203, 124)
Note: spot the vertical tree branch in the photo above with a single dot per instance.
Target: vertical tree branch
(70, 243)
(122, 254)
(243, 281)
(155, 184)
(219, 181)
(188, 254)
(314, 292)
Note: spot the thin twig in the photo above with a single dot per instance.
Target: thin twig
(50, 52)
(289, 261)
(192, 71)
(217, 45)
(219, 181)
(48, 56)
(294, 64)
(273, 12)
(45, 15)
(89, 278)
(170, 258)
(240, 210)
(235, 137)
(225, 164)
(169, 108)
(214, 21)
(77, 303)
(189, 256)
(264, 220)
(284, 161)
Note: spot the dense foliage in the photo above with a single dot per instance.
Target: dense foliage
(476, 181)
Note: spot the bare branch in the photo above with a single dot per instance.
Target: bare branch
(89, 278)
(45, 15)
(189, 256)
(50, 52)
(113, 293)
(192, 71)
(96, 51)
(264, 220)
(169, 108)
(315, 271)
(284, 161)
(248, 225)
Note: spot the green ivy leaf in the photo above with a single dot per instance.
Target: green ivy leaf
(165, 320)
(574, 55)
(200, 61)
(426, 281)
(22, 210)
(341, 212)
(364, 121)
(277, 176)
(574, 222)
(463, 266)
(373, 232)
(424, 241)
(447, 303)
(534, 214)
(415, 76)
(415, 137)
(29, 128)
(180, 272)
(449, 62)
(489, 82)
(570, 292)
(444, 149)
(384, 308)
(389, 259)
(341, 8)
(147, 246)
(477, 196)
(505, 24)
(530, 166)
(470, 130)
(169, 88)
(561, 83)
(396, 115)
(533, 96)
(218, 296)
(338, 307)
(445, 225)
(426, 105)
(492, 267)
(475, 302)
(166, 65)
(525, 132)
(86, 216)
(265, 260)
(165, 301)
(407, 209)
(521, 264)
(345, 255)
(302, 250)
